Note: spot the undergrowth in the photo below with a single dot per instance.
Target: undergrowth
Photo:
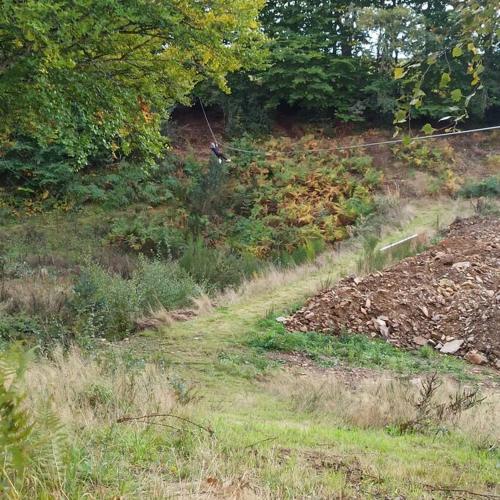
(353, 350)
(489, 187)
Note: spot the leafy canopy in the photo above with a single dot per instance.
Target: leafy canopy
(97, 76)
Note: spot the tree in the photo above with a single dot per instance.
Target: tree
(464, 67)
(95, 77)
(316, 58)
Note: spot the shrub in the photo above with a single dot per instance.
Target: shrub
(33, 331)
(107, 304)
(163, 284)
(148, 235)
(489, 187)
(216, 268)
(424, 156)
(14, 328)
(124, 184)
(358, 164)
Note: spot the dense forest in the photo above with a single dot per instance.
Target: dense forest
(91, 83)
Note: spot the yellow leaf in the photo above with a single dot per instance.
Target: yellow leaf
(399, 73)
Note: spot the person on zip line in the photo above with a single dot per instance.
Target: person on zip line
(214, 147)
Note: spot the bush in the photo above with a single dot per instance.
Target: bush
(124, 184)
(163, 284)
(423, 156)
(217, 269)
(489, 187)
(33, 331)
(108, 304)
(148, 235)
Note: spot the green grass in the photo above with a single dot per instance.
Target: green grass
(291, 458)
(353, 350)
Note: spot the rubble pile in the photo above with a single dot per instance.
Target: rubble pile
(447, 297)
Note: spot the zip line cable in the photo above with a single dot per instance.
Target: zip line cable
(354, 146)
(206, 119)
(366, 145)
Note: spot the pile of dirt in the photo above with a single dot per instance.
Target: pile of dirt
(447, 297)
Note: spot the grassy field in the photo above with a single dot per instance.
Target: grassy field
(209, 407)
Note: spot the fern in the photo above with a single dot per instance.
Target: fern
(15, 423)
(33, 446)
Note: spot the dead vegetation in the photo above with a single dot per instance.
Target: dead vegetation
(37, 295)
(426, 404)
(87, 392)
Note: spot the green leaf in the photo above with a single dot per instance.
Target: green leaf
(456, 95)
(471, 48)
(399, 73)
(428, 129)
(445, 80)
(457, 51)
(400, 116)
(432, 59)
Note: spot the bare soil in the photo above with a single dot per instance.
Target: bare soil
(447, 297)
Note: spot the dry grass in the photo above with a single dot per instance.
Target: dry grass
(85, 392)
(161, 317)
(39, 294)
(380, 401)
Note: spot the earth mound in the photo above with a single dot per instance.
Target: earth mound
(447, 297)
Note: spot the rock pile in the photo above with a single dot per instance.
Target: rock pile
(447, 297)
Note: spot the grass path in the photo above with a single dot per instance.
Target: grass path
(277, 433)
(200, 339)
(265, 446)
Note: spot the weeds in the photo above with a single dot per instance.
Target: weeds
(354, 350)
(430, 414)
(33, 445)
(217, 268)
(112, 304)
(373, 259)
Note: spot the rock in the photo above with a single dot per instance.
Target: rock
(420, 340)
(446, 283)
(452, 347)
(368, 303)
(357, 281)
(445, 258)
(281, 319)
(476, 358)
(424, 310)
(384, 330)
(461, 266)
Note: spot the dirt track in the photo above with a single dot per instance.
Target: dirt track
(447, 297)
